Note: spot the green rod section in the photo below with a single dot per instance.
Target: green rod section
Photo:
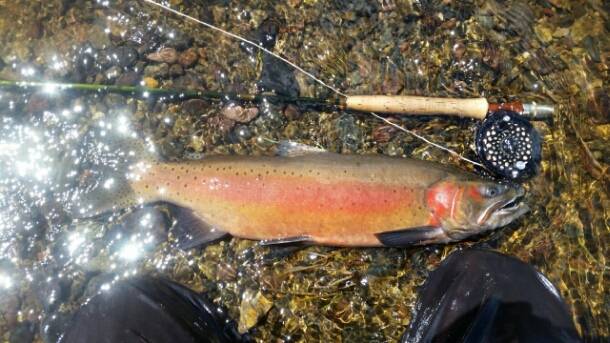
(179, 93)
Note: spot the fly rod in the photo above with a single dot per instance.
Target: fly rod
(476, 108)
(507, 144)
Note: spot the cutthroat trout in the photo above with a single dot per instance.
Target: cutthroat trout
(303, 196)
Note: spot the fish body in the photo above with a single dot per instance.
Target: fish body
(318, 197)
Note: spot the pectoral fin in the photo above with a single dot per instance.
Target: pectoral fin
(191, 230)
(413, 236)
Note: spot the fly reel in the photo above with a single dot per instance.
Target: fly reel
(508, 145)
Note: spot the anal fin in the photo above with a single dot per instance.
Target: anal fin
(413, 236)
(287, 240)
(191, 230)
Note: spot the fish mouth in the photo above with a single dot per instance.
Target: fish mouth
(503, 212)
(511, 206)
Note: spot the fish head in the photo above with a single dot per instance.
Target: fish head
(467, 207)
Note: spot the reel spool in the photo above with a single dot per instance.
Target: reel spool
(508, 145)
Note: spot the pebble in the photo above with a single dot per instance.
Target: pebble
(219, 72)
(24, 332)
(458, 50)
(130, 78)
(33, 29)
(269, 31)
(240, 114)
(150, 82)
(166, 55)
(175, 70)
(189, 80)
(221, 124)
(226, 272)
(384, 133)
(292, 112)
(391, 85)
(195, 106)
(491, 54)
(188, 58)
(253, 307)
(157, 71)
(98, 37)
(38, 103)
(544, 34)
(364, 68)
(292, 130)
(561, 32)
(113, 73)
(122, 56)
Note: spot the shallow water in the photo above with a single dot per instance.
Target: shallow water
(551, 52)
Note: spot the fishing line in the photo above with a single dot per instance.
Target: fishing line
(312, 76)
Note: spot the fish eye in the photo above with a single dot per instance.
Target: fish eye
(492, 191)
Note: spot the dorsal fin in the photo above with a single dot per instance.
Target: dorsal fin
(292, 149)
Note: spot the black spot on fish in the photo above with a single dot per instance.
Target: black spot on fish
(195, 178)
(187, 170)
(172, 169)
(178, 177)
(182, 167)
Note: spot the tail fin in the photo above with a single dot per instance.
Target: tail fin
(110, 154)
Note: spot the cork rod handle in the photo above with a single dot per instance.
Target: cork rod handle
(398, 104)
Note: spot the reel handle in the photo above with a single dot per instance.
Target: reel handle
(418, 105)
